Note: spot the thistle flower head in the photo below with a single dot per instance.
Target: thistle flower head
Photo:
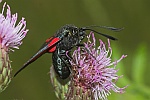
(11, 36)
(92, 75)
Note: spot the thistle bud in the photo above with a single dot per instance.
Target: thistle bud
(11, 36)
(60, 85)
(5, 69)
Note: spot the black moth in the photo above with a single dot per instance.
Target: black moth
(63, 41)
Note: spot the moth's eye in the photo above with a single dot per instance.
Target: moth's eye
(82, 33)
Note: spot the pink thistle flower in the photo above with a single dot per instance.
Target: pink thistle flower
(92, 77)
(11, 36)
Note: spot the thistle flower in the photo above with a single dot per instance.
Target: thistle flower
(11, 36)
(93, 74)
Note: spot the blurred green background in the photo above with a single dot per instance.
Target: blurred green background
(44, 17)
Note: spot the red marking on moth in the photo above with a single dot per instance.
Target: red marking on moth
(48, 39)
(52, 49)
(52, 44)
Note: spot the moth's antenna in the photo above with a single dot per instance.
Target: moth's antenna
(104, 27)
(105, 35)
